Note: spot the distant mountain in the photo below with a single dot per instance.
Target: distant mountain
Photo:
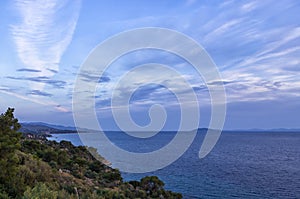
(285, 130)
(265, 130)
(54, 126)
(44, 128)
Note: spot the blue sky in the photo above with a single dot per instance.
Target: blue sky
(255, 44)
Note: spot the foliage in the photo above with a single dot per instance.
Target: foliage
(9, 144)
(40, 190)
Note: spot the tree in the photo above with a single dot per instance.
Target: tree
(9, 137)
(9, 143)
(41, 190)
(152, 184)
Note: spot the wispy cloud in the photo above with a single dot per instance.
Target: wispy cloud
(287, 37)
(34, 100)
(44, 32)
(43, 80)
(249, 6)
(39, 93)
(53, 71)
(28, 70)
(90, 76)
(223, 28)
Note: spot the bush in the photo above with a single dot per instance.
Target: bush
(40, 191)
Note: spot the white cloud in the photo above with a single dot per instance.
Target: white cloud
(249, 6)
(217, 32)
(273, 58)
(44, 32)
(291, 35)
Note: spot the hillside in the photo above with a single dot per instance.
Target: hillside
(38, 168)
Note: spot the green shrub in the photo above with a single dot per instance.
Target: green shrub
(41, 190)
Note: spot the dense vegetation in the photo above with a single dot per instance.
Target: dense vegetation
(31, 168)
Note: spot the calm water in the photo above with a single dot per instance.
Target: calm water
(242, 165)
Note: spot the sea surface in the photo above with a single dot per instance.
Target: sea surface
(241, 165)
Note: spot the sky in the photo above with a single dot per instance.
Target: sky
(254, 44)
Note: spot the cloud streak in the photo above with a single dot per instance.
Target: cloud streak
(43, 80)
(28, 70)
(39, 93)
(44, 32)
(34, 100)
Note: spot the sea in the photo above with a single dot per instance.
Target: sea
(241, 165)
